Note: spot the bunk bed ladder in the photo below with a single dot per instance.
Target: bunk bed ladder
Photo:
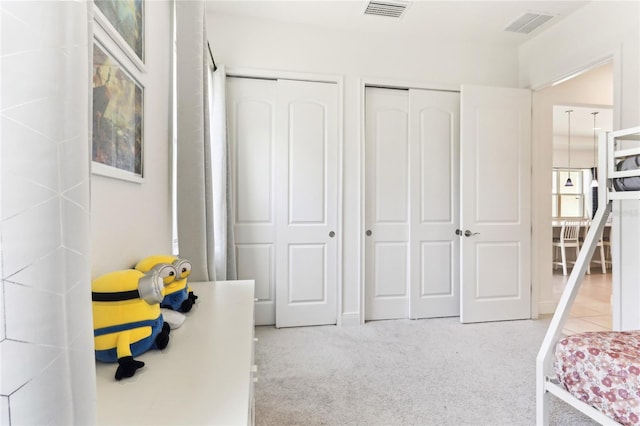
(544, 384)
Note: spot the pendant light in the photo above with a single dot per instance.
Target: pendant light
(594, 170)
(569, 111)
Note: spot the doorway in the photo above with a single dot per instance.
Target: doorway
(580, 108)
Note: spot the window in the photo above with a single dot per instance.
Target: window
(568, 201)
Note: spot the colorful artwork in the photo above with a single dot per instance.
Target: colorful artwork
(127, 17)
(117, 115)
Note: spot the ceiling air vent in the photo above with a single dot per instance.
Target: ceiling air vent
(392, 9)
(528, 22)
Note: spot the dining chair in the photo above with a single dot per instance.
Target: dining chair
(606, 242)
(569, 238)
(599, 244)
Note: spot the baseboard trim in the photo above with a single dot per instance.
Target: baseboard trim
(351, 318)
(547, 307)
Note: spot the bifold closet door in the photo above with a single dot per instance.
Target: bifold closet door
(284, 138)
(306, 203)
(386, 204)
(411, 207)
(434, 140)
(251, 105)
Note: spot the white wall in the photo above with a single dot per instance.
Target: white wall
(597, 31)
(59, 224)
(581, 158)
(243, 42)
(592, 33)
(46, 333)
(130, 221)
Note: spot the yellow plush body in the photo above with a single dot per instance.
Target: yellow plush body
(108, 314)
(128, 325)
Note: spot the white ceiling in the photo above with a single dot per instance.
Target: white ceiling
(453, 20)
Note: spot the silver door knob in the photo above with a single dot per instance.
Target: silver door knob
(368, 232)
(332, 234)
(468, 233)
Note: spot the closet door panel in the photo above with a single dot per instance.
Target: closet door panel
(307, 203)
(494, 126)
(386, 204)
(496, 206)
(390, 158)
(436, 136)
(434, 142)
(436, 269)
(307, 264)
(256, 260)
(251, 112)
(253, 161)
(391, 270)
(307, 163)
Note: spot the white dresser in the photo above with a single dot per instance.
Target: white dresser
(204, 376)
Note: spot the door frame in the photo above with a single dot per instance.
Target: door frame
(541, 162)
(242, 72)
(387, 83)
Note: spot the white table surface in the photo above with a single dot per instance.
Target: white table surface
(202, 377)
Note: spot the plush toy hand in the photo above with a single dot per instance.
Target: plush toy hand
(162, 339)
(192, 297)
(186, 305)
(127, 367)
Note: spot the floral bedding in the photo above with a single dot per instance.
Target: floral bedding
(603, 370)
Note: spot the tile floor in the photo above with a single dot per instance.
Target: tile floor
(591, 310)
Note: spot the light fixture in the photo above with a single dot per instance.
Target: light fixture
(569, 111)
(594, 170)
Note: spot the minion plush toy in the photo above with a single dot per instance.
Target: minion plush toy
(178, 295)
(126, 316)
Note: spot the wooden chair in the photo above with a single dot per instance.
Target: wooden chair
(606, 242)
(569, 238)
(600, 245)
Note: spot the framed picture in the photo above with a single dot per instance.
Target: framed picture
(118, 118)
(124, 20)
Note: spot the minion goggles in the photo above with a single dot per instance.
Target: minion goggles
(149, 289)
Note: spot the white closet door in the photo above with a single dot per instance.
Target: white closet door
(252, 111)
(495, 149)
(386, 204)
(434, 124)
(306, 203)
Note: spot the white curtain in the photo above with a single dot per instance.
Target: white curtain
(194, 169)
(205, 228)
(225, 259)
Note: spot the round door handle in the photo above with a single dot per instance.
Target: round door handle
(368, 232)
(332, 234)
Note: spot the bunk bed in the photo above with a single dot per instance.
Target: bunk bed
(597, 373)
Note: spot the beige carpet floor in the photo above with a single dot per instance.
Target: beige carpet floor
(403, 372)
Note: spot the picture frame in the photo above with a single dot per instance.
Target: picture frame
(117, 146)
(124, 21)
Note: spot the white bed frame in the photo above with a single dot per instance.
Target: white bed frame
(610, 151)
